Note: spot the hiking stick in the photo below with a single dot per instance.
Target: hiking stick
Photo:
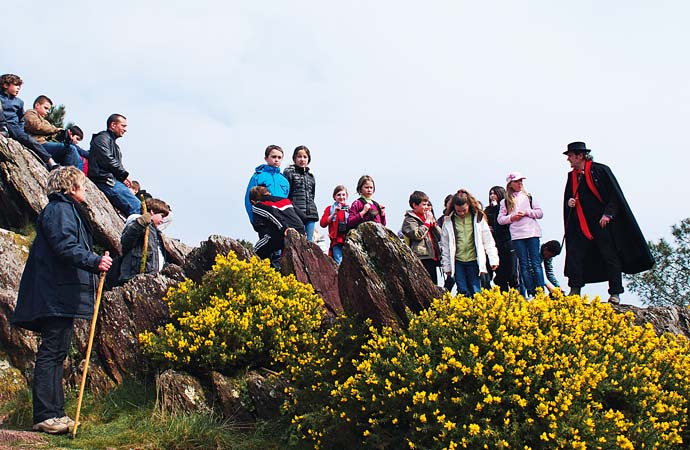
(88, 351)
(145, 248)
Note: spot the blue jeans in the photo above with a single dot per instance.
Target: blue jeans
(467, 278)
(67, 155)
(337, 251)
(529, 258)
(121, 198)
(309, 229)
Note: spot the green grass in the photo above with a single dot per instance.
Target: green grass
(127, 418)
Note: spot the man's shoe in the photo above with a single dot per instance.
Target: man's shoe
(615, 299)
(574, 291)
(51, 426)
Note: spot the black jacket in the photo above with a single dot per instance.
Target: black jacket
(272, 215)
(501, 233)
(302, 191)
(132, 241)
(630, 244)
(105, 159)
(58, 279)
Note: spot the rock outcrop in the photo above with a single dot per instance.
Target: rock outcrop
(22, 196)
(380, 277)
(309, 264)
(179, 391)
(201, 259)
(126, 311)
(19, 345)
(664, 319)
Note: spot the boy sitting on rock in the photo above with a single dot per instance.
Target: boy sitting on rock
(13, 110)
(132, 241)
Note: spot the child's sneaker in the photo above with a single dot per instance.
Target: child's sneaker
(52, 426)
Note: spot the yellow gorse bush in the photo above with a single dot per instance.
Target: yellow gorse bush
(496, 371)
(241, 314)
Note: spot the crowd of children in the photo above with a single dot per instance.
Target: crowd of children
(469, 243)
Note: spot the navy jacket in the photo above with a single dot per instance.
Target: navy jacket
(132, 242)
(58, 279)
(105, 159)
(13, 110)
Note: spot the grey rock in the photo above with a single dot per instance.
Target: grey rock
(309, 264)
(201, 259)
(181, 392)
(380, 277)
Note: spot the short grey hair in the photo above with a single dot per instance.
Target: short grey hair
(63, 179)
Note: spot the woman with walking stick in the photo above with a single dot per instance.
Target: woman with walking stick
(57, 286)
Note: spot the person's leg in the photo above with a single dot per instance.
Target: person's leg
(460, 280)
(309, 230)
(430, 266)
(576, 247)
(337, 253)
(522, 253)
(603, 240)
(57, 150)
(474, 282)
(121, 198)
(48, 395)
(536, 269)
(20, 136)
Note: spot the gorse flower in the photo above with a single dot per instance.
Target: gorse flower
(496, 371)
(241, 314)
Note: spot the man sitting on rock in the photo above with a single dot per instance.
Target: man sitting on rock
(106, 170)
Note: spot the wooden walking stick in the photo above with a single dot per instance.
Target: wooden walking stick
(145, 249)
(88, 351)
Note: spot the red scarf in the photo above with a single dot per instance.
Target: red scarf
(578, 206)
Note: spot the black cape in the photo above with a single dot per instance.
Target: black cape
(629, 242)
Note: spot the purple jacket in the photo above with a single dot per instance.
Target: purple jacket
(374, 214)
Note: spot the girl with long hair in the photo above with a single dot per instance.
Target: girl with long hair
(466, 242)
(521, 212)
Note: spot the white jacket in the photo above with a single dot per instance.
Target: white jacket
(483, 244)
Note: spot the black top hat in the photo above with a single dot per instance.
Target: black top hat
(577, 147)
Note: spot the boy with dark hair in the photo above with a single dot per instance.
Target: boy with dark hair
(13, 110)
(548, 251)
(422, 234)
(273, 217)
(132, 241)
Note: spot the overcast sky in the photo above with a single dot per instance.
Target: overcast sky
(420, 95)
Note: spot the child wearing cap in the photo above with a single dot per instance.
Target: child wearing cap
(521, 212)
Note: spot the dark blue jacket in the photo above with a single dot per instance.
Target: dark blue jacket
(13, 110)
(58, 279)
(269, 176)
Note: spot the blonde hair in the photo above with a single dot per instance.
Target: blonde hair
(510, 199)
(63, 179)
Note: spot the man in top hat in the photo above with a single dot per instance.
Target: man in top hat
(601, 234)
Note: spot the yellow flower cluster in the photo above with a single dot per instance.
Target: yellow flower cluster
(497, 371)
(243, 313)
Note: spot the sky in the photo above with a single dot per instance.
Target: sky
(430, 96)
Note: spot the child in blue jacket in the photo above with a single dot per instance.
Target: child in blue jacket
(268, 175)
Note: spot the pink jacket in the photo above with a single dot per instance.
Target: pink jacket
(526, 227)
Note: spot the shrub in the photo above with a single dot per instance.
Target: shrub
(497, 371)
(241, 314)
